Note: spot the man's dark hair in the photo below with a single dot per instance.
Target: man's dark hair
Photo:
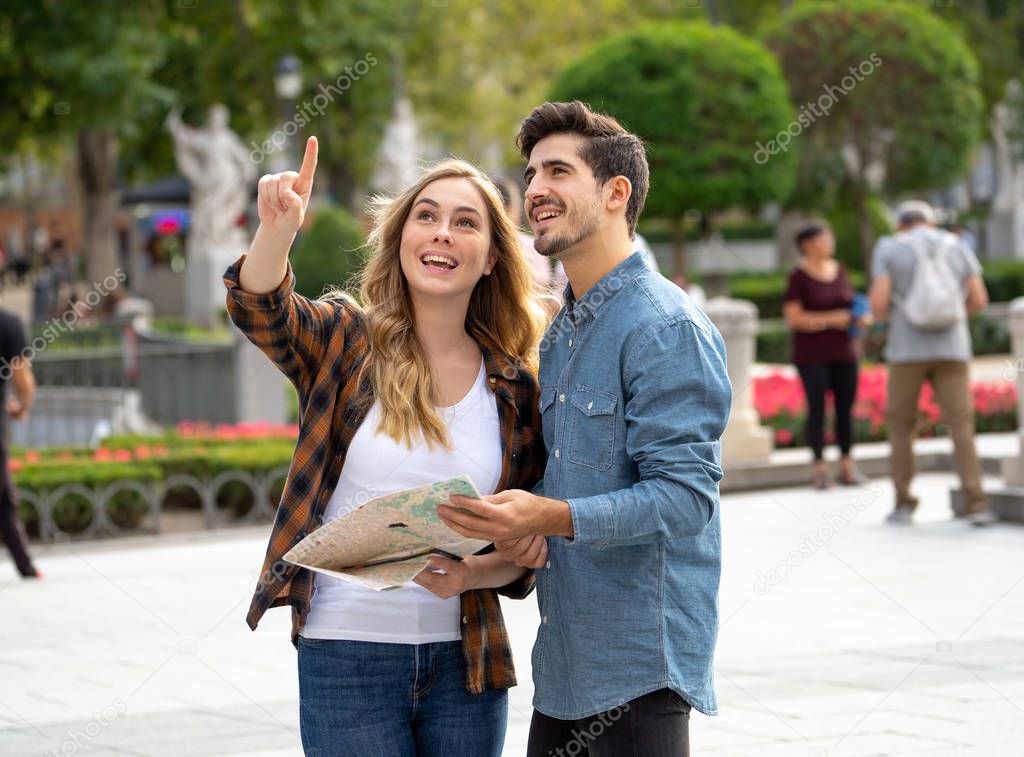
(610, 150)
(808, 233)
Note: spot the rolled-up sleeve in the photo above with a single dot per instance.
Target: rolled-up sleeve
(677, 406)
(521, 587)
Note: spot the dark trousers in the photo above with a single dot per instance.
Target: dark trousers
(654, 725)
(818, 378)
(11, 529)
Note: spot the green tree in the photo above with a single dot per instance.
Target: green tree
(701, 97)
(81, 76)
(994, 31)
(476, 69)
(229, 53)
(98, 79)
(888, 97)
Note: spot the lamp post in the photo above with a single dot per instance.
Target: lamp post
(287, 86)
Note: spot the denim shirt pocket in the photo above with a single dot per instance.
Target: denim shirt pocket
(592, 431)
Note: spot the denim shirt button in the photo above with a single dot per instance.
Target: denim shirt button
(545, 620)
(558, 454)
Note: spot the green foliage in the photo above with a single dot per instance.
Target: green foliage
(843, 220)
(87, 337)
(475, 70)
(766, 290)
(991, 29)
(202, 458)
(178, 327)
(73, 512)
(989, 336)
(122, 66)
(656, 230)
(914, 103)
(774, 341)
(50, 474)
(701, 97)
(329, 254)
(71, 66)
(1004, 279)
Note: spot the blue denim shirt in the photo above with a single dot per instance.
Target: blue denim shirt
(634, 396)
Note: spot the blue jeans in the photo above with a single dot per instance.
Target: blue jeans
(364, 699)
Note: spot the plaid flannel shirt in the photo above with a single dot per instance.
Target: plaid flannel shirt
(320, 345)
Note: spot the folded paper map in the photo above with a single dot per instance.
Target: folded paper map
(385, 542)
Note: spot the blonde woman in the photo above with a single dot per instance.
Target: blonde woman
(433, 375)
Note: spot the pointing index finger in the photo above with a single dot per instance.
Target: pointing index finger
(305, 180)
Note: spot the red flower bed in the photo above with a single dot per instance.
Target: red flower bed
(779, 399)
(257, 430)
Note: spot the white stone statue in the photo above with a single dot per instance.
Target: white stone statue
(220, 176)
(398, 156)
(1005, 226)
(1004, 123)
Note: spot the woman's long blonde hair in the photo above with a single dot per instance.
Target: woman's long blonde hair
(504, 313)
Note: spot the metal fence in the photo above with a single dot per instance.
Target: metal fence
(144, 381)
(132, 507)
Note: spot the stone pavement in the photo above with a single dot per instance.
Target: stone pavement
(840, 636)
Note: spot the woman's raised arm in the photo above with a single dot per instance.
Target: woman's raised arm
(292, 330)
(283, 199)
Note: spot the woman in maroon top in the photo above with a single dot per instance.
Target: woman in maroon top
(817, 308)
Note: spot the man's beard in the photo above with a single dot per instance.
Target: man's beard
(550, 245)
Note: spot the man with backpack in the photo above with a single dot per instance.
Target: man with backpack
(925, 283)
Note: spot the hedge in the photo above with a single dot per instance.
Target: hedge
(1003, 278)
(989, 336)
(147, 460)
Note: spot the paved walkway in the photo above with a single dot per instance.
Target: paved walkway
(840, 636)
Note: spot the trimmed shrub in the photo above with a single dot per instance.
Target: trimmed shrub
(329, 254)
